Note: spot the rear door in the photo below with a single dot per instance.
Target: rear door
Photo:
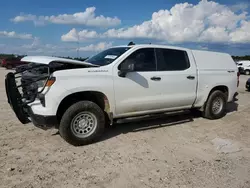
(178, 77)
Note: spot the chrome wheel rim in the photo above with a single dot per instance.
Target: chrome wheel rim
(83, 124)
(217, 105)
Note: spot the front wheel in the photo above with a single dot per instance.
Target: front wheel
(82, 123)
(215, 107)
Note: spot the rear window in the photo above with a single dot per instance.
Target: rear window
(172, 60)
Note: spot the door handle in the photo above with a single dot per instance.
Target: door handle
(156, 78)
(190, 77)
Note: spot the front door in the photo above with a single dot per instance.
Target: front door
(137, 91)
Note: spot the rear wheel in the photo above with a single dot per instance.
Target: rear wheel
(247, 72)
(215, 107)
(82, 123)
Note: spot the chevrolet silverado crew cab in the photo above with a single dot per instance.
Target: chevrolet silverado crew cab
(81, 97)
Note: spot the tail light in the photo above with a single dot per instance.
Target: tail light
(3, 62)
(238, 78)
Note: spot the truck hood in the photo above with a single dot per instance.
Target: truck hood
(46, 60)
(37, 69)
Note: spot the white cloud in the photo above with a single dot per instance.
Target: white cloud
(13, 34)
(37, 47)
(73, 35)
(216, 34)
(241, 34)
(87, 18)
(96, 47)
(206, 21)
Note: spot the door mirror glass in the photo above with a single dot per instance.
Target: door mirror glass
(127, 66)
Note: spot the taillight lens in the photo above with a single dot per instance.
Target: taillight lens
(3, 62)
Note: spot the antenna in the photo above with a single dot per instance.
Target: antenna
(131, 43)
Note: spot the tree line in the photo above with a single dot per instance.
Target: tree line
(240, 58)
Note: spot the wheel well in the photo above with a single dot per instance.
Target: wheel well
(224, 89)
(97, 97)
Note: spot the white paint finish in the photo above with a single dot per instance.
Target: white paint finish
(173, 91)
(214, 69)
(47, 60)
(244, 64)
(177, 90)
(137, 93)
(207, 60)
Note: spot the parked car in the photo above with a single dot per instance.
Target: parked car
(12, 62)
(80, 98)
(248, 84)
(244, 67)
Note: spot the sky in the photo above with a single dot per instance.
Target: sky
(63, 27)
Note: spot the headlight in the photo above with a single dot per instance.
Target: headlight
(45, 83)
(41, 83)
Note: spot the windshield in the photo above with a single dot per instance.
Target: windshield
(107, 56)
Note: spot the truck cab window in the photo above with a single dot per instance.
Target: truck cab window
(143, 59)
(172, 60)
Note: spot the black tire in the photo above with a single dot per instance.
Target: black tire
(65, 129)
(208, 111)
(247, 72)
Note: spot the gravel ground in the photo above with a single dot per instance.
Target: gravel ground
(178, 151)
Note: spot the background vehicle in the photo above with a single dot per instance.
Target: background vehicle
(12, 62)
(80, 98)
(244, 67)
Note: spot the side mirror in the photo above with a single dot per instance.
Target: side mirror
(127, 66)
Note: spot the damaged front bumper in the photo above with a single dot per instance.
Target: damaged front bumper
(41, 121)
(20, 104)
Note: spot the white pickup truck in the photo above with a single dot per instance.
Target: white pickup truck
(80, 98)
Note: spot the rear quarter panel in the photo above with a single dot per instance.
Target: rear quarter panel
(214, 69)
